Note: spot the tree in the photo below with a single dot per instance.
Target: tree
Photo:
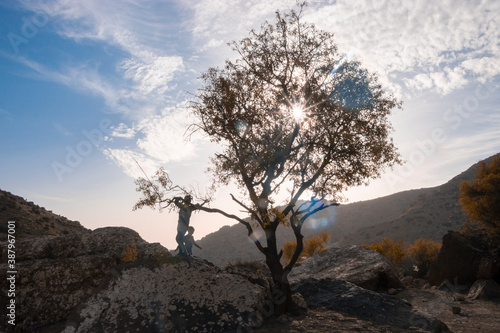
(311, 247)
(480, 200)
(291, 114)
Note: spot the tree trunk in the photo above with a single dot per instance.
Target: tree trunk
(281, 291)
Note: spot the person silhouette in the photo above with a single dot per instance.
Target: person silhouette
(189, 241)
(185, 210)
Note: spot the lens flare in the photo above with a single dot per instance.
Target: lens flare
(241, 127)
(298, 112)
(339, 66)
(335, 70)
(258, 234)
(320, 223)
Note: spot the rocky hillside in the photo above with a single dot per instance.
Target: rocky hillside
(33, 220)
(431, 216)
(423, 213)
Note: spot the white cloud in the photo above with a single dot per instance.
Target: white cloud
(429, 43)
(485, 68)
(212, 43)
(133, 164)
(165, 135)
(227, 20)
(152, 75)
(123, 131)
(444, 81)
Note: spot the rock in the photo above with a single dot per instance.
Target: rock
(351, 300)
(185, 296)
(488, 269)
(392, 291)
(110, 279)
(456, 309)
(363, 267)
(299, 302)
(419, 283)
(447, 286)
(256, 272)
(459, 298)
(407, 280)
(463, 259)
(484, 290)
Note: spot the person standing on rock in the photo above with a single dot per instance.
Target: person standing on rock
(185, 210)
(189, 241)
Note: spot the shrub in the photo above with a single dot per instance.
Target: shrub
(423, 252)
(395, 252)
(312, 246)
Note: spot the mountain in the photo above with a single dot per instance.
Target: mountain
(33, 220)
(422, 213)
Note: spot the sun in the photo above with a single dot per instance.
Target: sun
(298, 112)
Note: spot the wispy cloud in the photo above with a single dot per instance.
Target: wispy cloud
(5, 115)
(132, 163)
(152, 75)
(51, 198)
(62, 130)
(83, 78)
(147, 71)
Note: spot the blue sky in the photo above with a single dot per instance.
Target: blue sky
(86, 85)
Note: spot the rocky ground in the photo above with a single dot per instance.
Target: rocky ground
(475, 316)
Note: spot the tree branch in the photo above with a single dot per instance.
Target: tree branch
(234, 217)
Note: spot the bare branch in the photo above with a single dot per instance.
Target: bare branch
(234, 217)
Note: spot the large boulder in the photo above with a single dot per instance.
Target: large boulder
(177, 296)
(359, 265)
(463, 261)
(112, 280)
(349, 299)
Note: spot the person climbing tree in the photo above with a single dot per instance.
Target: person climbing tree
(185, 210)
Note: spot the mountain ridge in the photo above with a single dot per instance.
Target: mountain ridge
(408, 215)
(33, 220)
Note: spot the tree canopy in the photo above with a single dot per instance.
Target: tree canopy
(480, 200)
(292, 108)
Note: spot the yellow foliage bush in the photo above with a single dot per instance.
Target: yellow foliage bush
(422, 251)
(395, 252)
(312, 246)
